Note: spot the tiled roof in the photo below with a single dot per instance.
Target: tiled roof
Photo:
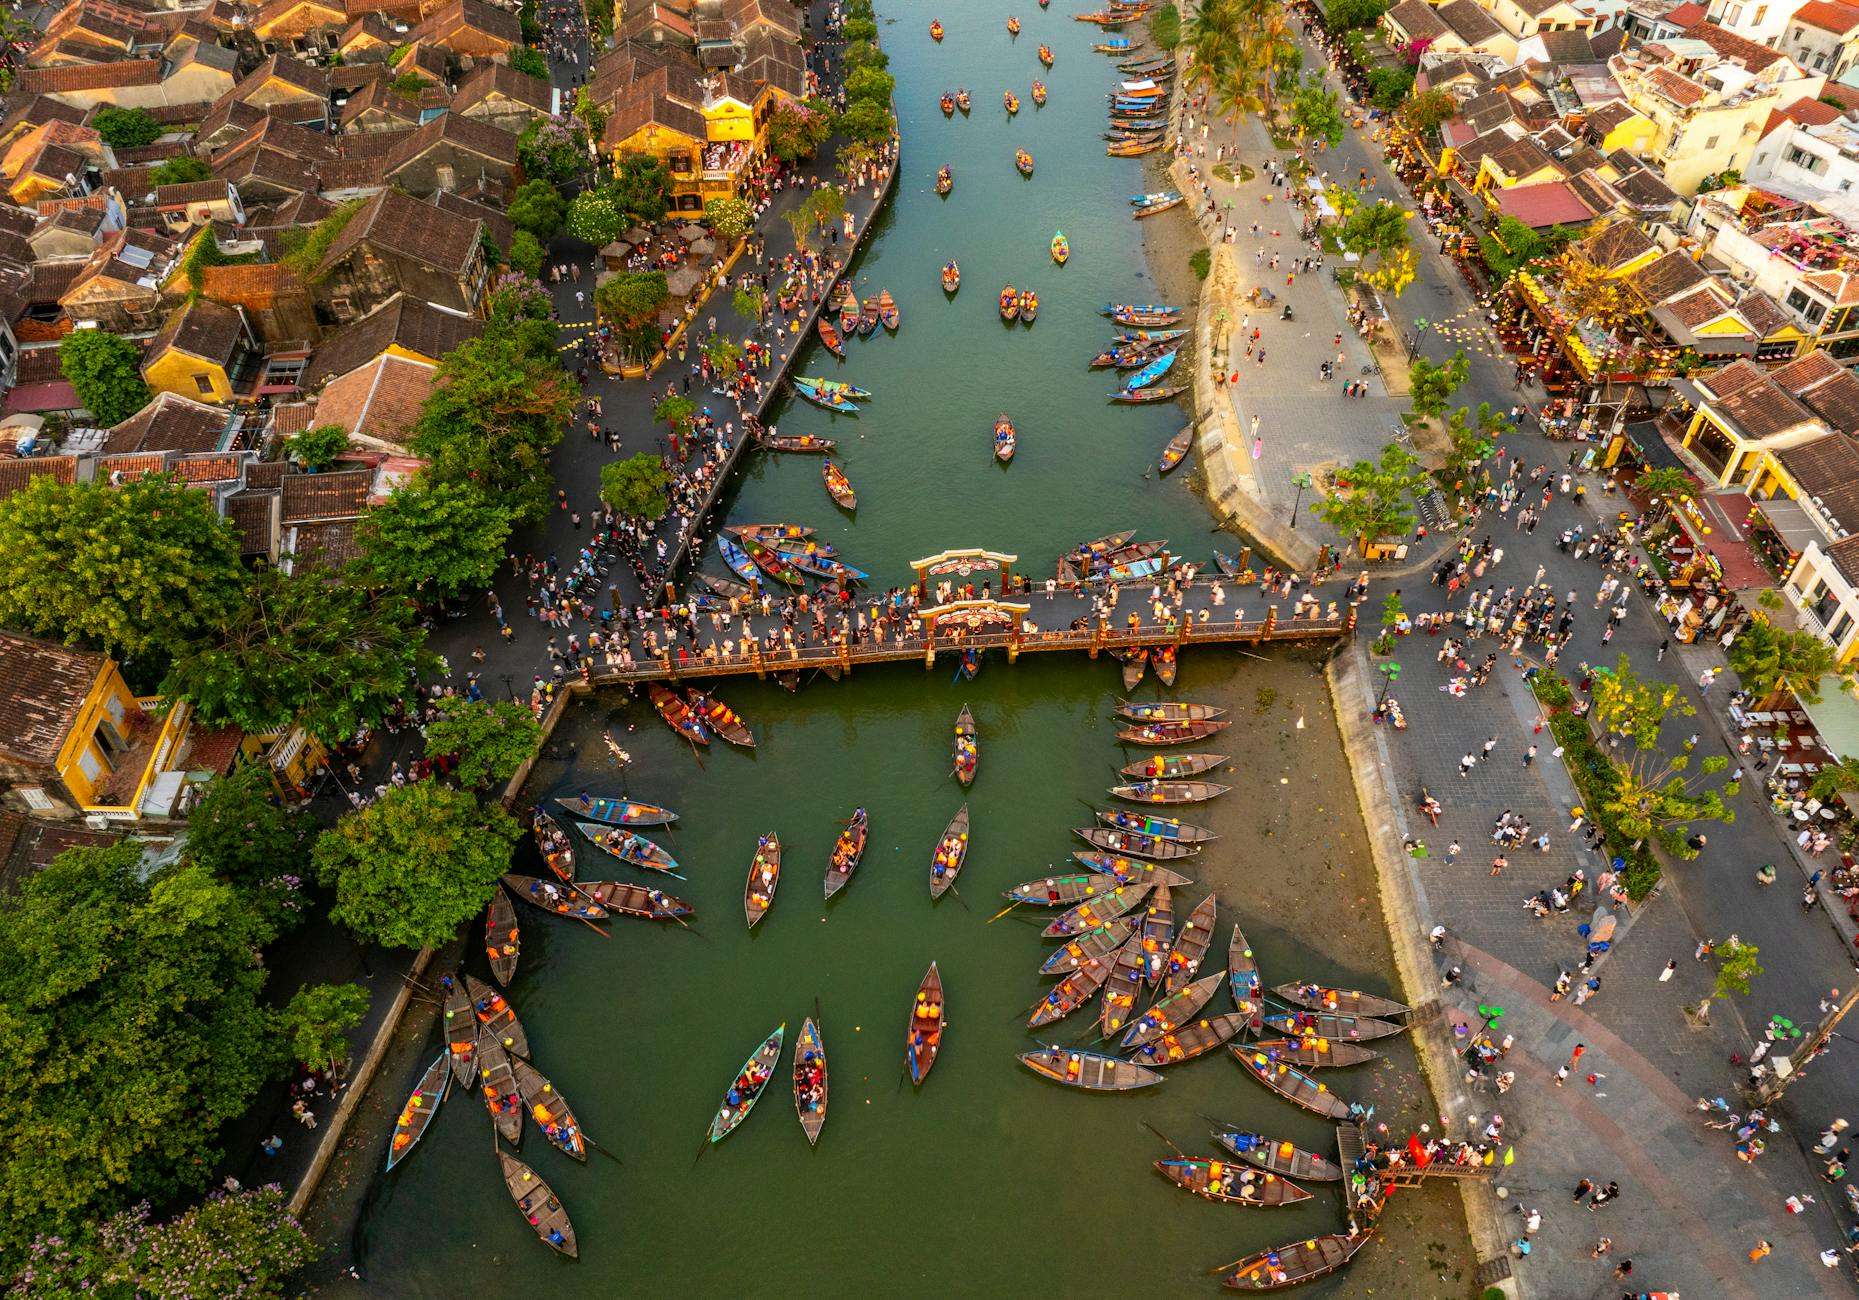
(489, 79)
(413, 324)
(336, 494)
(1731, 46)
(76, 77)
(1564, 48)
(1608, 116)
(1762, 410)
(1646, 190)
(1551, 203)
(469, 16)
(291, 72)
(1417, 19)
(203, 328)
(221, 468)
(254, 514)
(381, 399)
(1733, 378)
(1680, 90)
(1698, 307)
(329, 544)
(1828, 17)
(1845, 556)
(1668, 277)
(254, 286)
(1808, 112)
(1763, 313)
(265, 473)
(1827, 470)
(46, 685)
(16, 473)
(1472, 24)
(169, 423)
(401, 224)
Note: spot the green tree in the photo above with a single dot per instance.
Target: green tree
(1377, 233)
(874, 84)
(1511, 246)
(537, 207)
(796, 131)
(1738, 968)
(859, 29)
(302, 648)
(1165, 27)
(749, 299)
(1772, 661)
(130, 569)
(529, 62)
(491, 739)
(1629, 706)
(633, 298)
(1471, 438)
(722, 351)
(595, 217)
(863, 54)
(498, 408)
(1377, 502)
(1665, 483)
(1431, 386)
(1836, 778)
(637, 486)
(642, 189)
(826, 204)
(1315, 114)
(434, 539)
(1655, 798)
(316, 1023)
(242, 834)
(1346, 15)
(730, 219)
(415, 864)
(179, 170)
(1388, 87)
(1427, 111)
(317, 448)
(526, 253)
(236, 1243)
(675, 411)
(127, 128)
(551, 150)
(130, 1031)
(591, 113)
(106, 371)
(866, 122)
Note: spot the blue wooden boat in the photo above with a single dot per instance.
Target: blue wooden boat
(825, 566)
(618, 812)
(1144, 200)
(829, 399)
(738, 560)
(417, 1115)
(750, 1082)
(630, 848)
(838, 386)
(1137, 309)
(1151, 372)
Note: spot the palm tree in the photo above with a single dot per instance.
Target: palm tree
(1213, 36)
(1664, 483)
(1269, 37)
(1773, 662)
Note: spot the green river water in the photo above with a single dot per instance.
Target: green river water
(987, 1180)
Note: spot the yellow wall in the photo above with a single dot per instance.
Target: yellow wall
(109, 702)
(1635, 135)
(175, 371)
(1489, 176)
(729, 120)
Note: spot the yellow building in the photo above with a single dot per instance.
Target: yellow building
(708, 135)
(205, 351)
(74, 740)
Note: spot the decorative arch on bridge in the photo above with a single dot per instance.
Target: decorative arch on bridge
(964, 564)
(974, 615)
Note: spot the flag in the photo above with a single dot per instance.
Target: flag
(1510, 1156)
(1417, 1151)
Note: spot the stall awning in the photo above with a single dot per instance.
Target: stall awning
(1790, 522)
(1836, 717)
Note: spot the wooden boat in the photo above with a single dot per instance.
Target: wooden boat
(1092, 944)
(776, 535)
(1191, 945)
(1039, 93)
(1005, 439)
(1168, 828)
(1064, 891)
(1157, 931)
(1314, 1053)
(1177, 450)
(550, 1110)
(888, 314)
(461, 1031)
(1292, 1084)
(824, 566)
(1342, 1029)
(1144, 316)
(721, 719)
(826, 398)
(751, 1080)
(1136, 846)
(497, 1023)
(1029, 306)
(503, 940)
(868, 317)
(967, 747)
(1135, 664)
(951, 278)
(1343, 1002)
(758, 892)
(945, 180)
(1127, 869)
(1072, 992)
(838, 486)
(1222, 1180)
(1091, 1071)
(1010, 304)
(630, 847)
(829, 336)
(1024, 161)
(1196, 1038)
(1045, 55)
(422, 1104)
(1136, 397)
(948, 104)
(1171, 733)
(623, 898)
(849, 317)
(1292, 1263)
(968, 667)
(1152, 372)
(1116, 45)
(1122, 988)
(1165, 767)
(1166, 660)
(1279, 1157)
(846, 853)
(1168, 711)
(923, 1030)
(1134, 149)
(1151, 209)
(1093, 912)
(538, 1205)
(1013, 26)
(625, 812)
(1167, 792)
(1173, 1011)
(677, 714)
(775, 564)
(739, 561)
(553, 844)
(1010, 101)
(951, 852)
(1243, 971)
(810, 1082)
(564, 899)
(803, 442)
(962, 100)
(1229, 566)
(497, 1084)
(935, 30)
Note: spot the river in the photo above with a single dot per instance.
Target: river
(987, 1180)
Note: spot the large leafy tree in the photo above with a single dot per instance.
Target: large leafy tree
(642, 189)
(498, 408)
(1628, 705)
(537, 207)
(874, 84)
(866, 122)
(316, 1023)
(105, 371)
(796, 131)
(127, 128)
(1431, 385)
(730, 219)
(412, 866)
(1377, 233)
(132, 569)
(1315, 113)
(633, 298)
(1511, 246)
(1427, 111)
(242, 833)
(434, 539)
(595, 217)
(636, 486)
(1377, 502)
(130, 1031)
(180, 169)
(1772, 661)
(305, 648)
(490, 739)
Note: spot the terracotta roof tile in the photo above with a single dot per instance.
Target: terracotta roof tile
(46, 685)
(255, 515)
(329, 544)
(16, 473)
(411, 323)
(380, 400)
(170, 423)
(1828, 469)
(401, 224)
(203, 328)
(336, 494)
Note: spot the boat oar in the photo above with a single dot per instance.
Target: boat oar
(1158, 1132)
(998, 915)
(959, 898)
(593, 1145)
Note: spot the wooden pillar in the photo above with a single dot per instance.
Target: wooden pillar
(1097, 638)
(845, 654)
(929, 653)
(755, 657)
(1245, 558)
(1187, 625)
(1271, 622)
(1013, 642)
